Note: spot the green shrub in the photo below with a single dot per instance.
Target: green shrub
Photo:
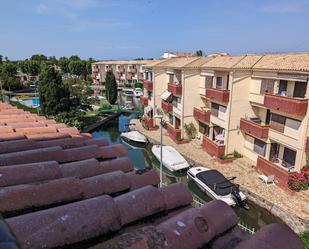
(228, 156)
(139, 85)
(105, 106)
(190, 130)
(237, 154)
(304, 236)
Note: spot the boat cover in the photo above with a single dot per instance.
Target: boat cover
(216, 182)
(166, 95)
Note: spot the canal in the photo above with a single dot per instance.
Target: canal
(255, 217)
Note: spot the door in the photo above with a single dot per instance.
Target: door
(267, 120)
(177, 123)
(300, 89)
(274, 152)
(289, 158)
(283, 86)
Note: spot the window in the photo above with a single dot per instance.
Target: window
(300, 89)
(214, 109)
(176, 101)
(277, 122)
(203, 128)
(259, 147)
(170, 119)
(208, 81)
(289, 158)
(219, 84)
(267, 86)
(283, 85)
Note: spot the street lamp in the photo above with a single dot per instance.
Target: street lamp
(160, 117)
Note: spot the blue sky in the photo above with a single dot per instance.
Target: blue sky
(126, 29)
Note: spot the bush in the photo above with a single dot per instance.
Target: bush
(190, 130)
(228, 156)
(304, 236)
(297, 182)
(105, 106)
(139, 85)
(237, 154)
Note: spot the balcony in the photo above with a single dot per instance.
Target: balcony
(212, 148)
(148, 123)
(117, 76)
(201, 115)
(95, 70)
(269, 168)
(218, 95)
(144, 100)
(141, 77)
(121, 70)
(148, 85)
(255, 129)
(174, 133)
(133, 70)
(285, 104)
(129, 77)
(175, 89)
(166, 106)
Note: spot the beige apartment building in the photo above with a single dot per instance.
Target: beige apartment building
(254, 104)
(126, 72)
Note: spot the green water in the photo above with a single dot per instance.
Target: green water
(255, 217)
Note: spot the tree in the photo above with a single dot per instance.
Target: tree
(1, 59)
(198, 53)
(74, 58)
(33, 67)
(8, 76)
(77, 67)
(38, 57)
(111, 87)
(64, 64)
(54, 95)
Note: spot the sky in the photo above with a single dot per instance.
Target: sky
(127, 29)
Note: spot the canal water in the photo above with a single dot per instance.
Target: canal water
(255, 217)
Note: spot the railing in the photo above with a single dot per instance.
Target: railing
(201, 115)
(254, 129)
(133, 70)
(174, 133)
(148, 85)
(166, 106)
(175, 89)
(246, 228)
(220, 95)
(212, 148)
(285, 104)
(144, 100)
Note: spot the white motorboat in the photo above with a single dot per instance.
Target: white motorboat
(128, 107)
(217, 186)
(171, 158)
(128, 92)
(138, 92)
(134, 136)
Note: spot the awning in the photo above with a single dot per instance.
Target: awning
(166, 95)
(147, 109)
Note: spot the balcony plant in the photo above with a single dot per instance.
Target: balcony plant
(297, 181)
(190, 130)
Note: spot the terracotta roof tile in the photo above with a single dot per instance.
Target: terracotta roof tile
(248, 61)
(177, 62)
(223, 62)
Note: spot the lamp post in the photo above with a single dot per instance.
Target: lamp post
(160, 117)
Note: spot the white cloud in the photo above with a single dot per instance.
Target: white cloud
(285, 7)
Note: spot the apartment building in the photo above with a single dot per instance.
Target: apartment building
(254, 104)
(126, 72)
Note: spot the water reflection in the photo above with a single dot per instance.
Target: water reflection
(143, 158)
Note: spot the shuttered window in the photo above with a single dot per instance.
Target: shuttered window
(203, 128)
(214, 109)
(267, 86)
(259, 147)
(277, 122)
(208, 81)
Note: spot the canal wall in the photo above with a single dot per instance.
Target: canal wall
(295, 222)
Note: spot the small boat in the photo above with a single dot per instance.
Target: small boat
(128, 92)
(134, 136)
(171, 158)
(217, 186)
(138, 92)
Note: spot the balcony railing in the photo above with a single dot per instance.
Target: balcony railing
(121, 70)
(133, 70)
(285, 104)
(201, 115)
(149, 122)
(219, 95)
(95, 70)
(254, 129)
(129, 77)
(144, 100)
(166, 106)
(174, 133)
(141, 77)
(212, 148)
(148, 85)
(269, 168)
(175, 89)
(117, 76)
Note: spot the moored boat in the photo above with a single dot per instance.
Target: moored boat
(134, 136)
(217, 186)
(171, 158)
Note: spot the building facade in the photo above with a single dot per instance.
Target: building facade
(253, 104)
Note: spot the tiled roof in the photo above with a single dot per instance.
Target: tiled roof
(223, 62)
(176, 62)
(248, 61)
(199, 62)
(128, 62)
(155, 63)
(60, 187)
(284, 62)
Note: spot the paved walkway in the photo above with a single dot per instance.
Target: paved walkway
(243, 169)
